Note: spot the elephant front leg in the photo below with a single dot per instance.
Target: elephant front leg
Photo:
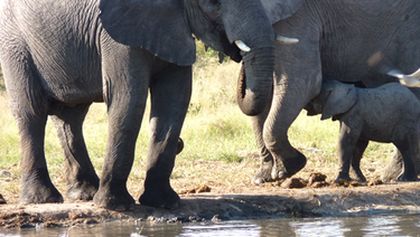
(170, 96)
(127, 76)
(264, 173)
(125, 115)
(294, 87)
(347, 148)
(81, 177)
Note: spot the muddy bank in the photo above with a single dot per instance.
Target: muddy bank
(339, 201)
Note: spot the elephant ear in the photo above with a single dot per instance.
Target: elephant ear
(158, 26)
(340, 99)
(281, 9)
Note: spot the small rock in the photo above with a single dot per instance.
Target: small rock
(294, 183)
(76, 215)
(201, 189)
(5, 173)
(354, 184)
(216, 219)
(90, 221)
(2, 200)
(342, 183)
(375, 182)
(316, 177)
(26, 226)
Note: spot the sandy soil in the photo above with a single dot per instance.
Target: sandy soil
(218, 191)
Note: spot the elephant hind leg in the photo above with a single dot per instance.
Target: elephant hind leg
(357, 156)
(82, 180)
(29, 105)
(408, 155)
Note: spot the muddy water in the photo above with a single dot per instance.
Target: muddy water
(408, 225)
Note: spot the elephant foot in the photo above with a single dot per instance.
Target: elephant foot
(82, 190)
(359, 176)
(288, 167)
(264, 174)
(342, 178)
(361, 179)
(160, 197)
(119, 200)
(40, 192)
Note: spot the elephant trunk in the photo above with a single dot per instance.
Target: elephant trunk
(254, 36)
(255, 81)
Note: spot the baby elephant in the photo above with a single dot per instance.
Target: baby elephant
(390, 113)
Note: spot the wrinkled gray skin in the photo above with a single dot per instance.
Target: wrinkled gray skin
(395, 167)
(389, 113)
(342, 40)
(59, 56)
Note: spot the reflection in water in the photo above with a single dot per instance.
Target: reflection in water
(408, 225)
(332, 227)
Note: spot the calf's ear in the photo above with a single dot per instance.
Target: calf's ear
(339, 100)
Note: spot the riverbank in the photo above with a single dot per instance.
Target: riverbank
(307, 202)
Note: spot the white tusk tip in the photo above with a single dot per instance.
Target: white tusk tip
(287, 40)
(242, 46)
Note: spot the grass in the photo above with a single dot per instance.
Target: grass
(218, 140)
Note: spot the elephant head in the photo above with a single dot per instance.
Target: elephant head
(248, 99)
(334, 99)
(239, 28)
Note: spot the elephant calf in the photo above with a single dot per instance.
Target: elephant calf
(389, 113)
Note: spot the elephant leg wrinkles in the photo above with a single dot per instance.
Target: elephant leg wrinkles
(357, 156)
(170, 96)
(30, 110)
(126, 100)
(82, 180)
(410, 152)
(266, 165)
(297, 81)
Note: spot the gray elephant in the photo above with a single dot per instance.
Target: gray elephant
(388, 113)
(342, 40)
(60, 56)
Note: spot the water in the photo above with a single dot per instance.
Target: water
(357, 226)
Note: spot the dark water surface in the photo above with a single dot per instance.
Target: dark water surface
(408, 225)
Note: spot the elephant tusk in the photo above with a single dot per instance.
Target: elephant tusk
(242, 46)
(412, 80)
(286, 40)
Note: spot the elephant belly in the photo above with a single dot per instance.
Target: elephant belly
(64, 48)
(75, 90)
(364, 44)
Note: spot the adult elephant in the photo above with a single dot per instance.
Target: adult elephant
(60, 56)
(346, 40)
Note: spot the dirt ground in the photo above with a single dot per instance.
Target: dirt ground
(218, 191)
